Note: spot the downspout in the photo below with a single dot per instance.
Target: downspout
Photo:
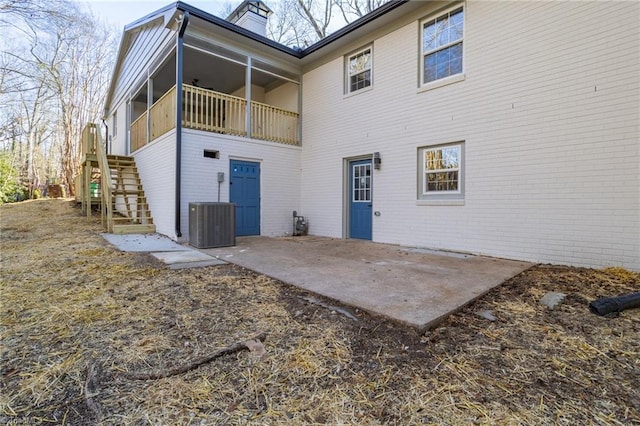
(179, 61)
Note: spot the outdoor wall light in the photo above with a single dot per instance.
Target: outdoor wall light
(377, 161)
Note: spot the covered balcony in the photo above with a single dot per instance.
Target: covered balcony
(222, 92)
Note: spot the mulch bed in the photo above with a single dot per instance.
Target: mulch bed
(83, 326)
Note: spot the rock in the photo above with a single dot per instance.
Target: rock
(552, 299)
(487, 314)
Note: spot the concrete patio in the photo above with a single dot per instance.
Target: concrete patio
(415, 286)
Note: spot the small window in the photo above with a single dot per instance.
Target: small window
(441, 171)
(115, 124)
(359, 70)
(361, 181)
(442, 46)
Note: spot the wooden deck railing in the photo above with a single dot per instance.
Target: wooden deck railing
(88, 139)
(163, 114)
(273, 124)
(213, 111)
(217, 112)
(106, 186)
(139, 132)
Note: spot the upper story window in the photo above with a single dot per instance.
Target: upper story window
(115, 124)
(442, 46)
(359, 70)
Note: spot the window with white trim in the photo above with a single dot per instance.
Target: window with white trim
(442, 46)
(115, 124)
(361, 181)
(358, 70)
(441, 171)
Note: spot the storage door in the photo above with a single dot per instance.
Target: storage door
(244, 192)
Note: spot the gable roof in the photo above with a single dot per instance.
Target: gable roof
(298, 53)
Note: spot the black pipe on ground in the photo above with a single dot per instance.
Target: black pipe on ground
(611, 305)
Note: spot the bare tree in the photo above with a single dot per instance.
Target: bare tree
(34, 10)
(318, 14)
(58, 71)
(286, 27)
(225, 9)
(353, 9)
(303, 22)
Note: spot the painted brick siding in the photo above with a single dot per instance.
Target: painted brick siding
(156, 164)
(548, 110)
(279, 177)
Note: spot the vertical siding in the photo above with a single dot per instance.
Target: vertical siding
(149, 43)
(147, 46)
(156, 164)
(549, 114)
(279, 177)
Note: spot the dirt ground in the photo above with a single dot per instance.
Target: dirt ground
(79, 320)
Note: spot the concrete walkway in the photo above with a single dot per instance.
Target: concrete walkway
(163, 248)
(416, 287)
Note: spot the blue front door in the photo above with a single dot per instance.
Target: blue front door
(244, 191)
(360, 196)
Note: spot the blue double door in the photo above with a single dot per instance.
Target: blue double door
(244, 192)
(360, 199)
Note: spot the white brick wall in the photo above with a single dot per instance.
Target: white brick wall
(156, 164)
(549, 114)
(279, 177)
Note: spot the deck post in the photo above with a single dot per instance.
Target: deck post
(247, 95)
(86, 196)
(149, 105)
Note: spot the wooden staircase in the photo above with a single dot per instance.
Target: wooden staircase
(112, 183)
(131, 214)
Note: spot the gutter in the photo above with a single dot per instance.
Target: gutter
(179, 62)
(371, 16)
(376, 13)
(236, 29)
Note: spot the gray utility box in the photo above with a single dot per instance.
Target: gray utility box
(212, 225)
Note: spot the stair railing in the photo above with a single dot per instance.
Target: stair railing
(106, 185)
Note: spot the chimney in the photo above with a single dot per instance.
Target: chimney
(251, 15)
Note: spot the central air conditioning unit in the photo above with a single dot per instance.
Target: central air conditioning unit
(212, 225)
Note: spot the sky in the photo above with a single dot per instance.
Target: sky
(119, 13)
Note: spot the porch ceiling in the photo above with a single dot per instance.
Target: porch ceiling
(210, 72)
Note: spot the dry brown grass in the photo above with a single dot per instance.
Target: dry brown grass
(70, 301)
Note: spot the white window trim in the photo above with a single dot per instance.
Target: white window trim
(422, 86)
(443, 81)
(421, 202)
(353, 180)
(347, 75)
(441, 197)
